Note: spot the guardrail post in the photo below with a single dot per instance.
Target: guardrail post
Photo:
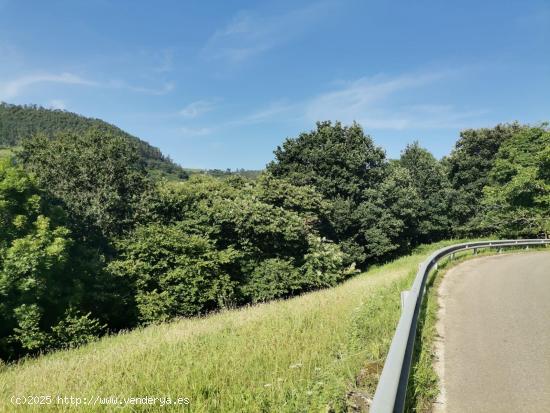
(404, 295)
(452, 256)
(527, 247)
(475, 251)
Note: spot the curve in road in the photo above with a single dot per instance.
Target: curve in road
(494, 335)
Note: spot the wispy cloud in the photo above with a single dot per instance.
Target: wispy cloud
(376, 102)
(273, 111)
(250, 33)
(192, 132)
(14, 87)
(163, 89)
(197, 108)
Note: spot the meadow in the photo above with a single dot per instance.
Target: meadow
(322, 351)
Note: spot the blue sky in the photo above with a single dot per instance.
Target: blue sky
(221, 84)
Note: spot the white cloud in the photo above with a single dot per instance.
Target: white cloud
(270, 112)
(119, 84)
(191, 132)
(57, 104)
(13, 88)
(249, 33)
(197, 108)
(375, 102)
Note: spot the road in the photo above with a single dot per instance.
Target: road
(494, 327)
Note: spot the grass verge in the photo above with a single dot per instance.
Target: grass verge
(322, 351)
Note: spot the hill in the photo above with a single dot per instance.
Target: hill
(300, 354)
(18, 122)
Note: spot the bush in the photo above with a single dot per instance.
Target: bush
(323, 266)
(75, 330)
(272, 278)
(174, 273)
(213, 243)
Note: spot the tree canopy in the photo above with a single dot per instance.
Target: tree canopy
(90, 242)
(21, 122)
(99, 178)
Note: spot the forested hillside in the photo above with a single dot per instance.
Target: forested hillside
(91, 243)
(19, 122)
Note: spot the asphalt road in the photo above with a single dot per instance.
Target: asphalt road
(494, 323)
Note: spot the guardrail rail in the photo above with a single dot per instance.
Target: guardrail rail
(391, 391)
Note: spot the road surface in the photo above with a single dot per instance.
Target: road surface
(494, 327)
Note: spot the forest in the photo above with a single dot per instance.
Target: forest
(100, 232)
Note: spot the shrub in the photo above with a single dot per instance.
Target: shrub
(272, 278)
(75, 330)
(174, 273)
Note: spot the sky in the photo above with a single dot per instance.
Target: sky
(221, 84)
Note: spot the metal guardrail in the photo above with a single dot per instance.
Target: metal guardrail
(392, 387)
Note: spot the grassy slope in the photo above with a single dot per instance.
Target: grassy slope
(5, 152)
(302, 354)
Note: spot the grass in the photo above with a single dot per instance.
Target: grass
(322, 351)
(6, 152)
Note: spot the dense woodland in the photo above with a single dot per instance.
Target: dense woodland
(19, 122)
(92, 242)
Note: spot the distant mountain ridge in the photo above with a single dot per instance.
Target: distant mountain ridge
(20, 121)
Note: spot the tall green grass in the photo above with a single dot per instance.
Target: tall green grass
(322, 351)
(6, 152)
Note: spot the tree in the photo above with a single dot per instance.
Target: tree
(388, 215)
(41, 275)
(174, 273)
(432, 186)
(517, 196)
(99, 178)
(358, 212)
(339, 161)
(469, 165)
(213, 242)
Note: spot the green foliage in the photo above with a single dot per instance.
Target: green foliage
(75, 330)
(218, 173)
(28, 331)
(469, 165)
(213, 243)
(517, 196)
(367, 206)
(39, 277)
(21, 122)
(323, 264)
(387, 216)
(273, 278)
(339, 161)
(433, 187)
(89, 243)
(98, 177)
(174, 273)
